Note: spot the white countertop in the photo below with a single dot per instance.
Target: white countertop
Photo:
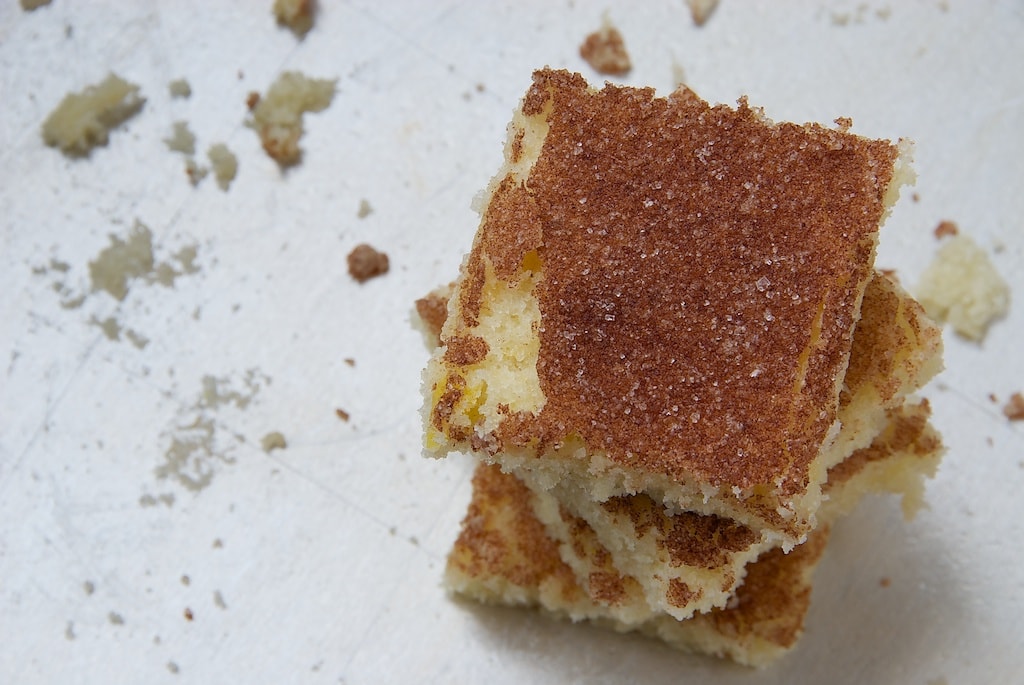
(321, 562)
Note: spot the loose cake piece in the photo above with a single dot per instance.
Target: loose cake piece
(661, 298)
(296, 15)
(504, 555)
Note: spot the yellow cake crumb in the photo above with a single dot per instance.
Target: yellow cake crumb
(225, 164)
(277, 116)
(182, 139)
(701, 10)
(179, 88)
(273, 441)
(295, 14)
(83, 120)
(963, 287)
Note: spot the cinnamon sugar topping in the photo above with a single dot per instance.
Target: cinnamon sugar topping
(702, 270)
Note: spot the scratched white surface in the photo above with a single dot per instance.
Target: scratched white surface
(321, 563)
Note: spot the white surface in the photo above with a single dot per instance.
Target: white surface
(331, 551)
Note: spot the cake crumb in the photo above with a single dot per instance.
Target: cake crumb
(349, 361)
(1014, 409)
(224, 163)
(186, 581)
(273, 441)
(29, 5)
(188, 614)
(605, 50)
(115, 618)
(365, 209)
(701, 10)
(69, 631)
(179, 88)
(84, 120)
(342, 414)
(89, 587)
(123, 261)
(173, 667)
(252, 100)
(277, 116)
(963, 287)
(295, 14)
(218, 544)
(945, 229)
(365, 262)
(218, 600)
(182, 139)
(884, 581)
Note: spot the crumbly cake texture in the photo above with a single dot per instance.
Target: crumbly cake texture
(504, 556)
(651, 278)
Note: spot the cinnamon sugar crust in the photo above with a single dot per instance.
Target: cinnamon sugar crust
(703, 270)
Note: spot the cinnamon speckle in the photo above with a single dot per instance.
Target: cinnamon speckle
(946, 228)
